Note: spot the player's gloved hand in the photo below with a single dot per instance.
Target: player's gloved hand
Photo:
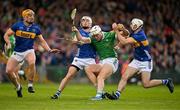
(54, 51)
(120, 27)
(74, 29)
(111, 96)
(114, 26)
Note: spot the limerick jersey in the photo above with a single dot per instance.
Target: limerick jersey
(105, 47)
(142, 49)
(25, 36)
(12, 41)
(85, 50)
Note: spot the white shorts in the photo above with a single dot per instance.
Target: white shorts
(142, 65)
(112, 61)
(83, 62)
(19, 56)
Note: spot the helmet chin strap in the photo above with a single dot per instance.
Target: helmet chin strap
(138, 28)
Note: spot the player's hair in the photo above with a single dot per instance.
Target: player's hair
(26, 12)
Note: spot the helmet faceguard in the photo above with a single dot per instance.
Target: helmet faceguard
(89, 21)
(136, 24)
(95, 30)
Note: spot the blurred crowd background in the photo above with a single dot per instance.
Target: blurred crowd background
(161, 24)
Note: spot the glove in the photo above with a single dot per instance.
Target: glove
(111, 96)
(120, 27)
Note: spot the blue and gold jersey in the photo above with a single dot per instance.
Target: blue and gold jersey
(25, 36)
(142, 49)
(85, 50)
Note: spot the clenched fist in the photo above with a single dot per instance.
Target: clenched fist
(120, 27)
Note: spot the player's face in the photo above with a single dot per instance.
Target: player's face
(29, 18)
(85, 23)
(133, 27)
(98, 37)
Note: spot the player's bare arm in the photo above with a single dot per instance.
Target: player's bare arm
(44, 44)
(123, 40)
(121, 28)
(79, 37)
(125, 32)
(8, 33)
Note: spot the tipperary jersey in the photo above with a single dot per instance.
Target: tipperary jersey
(142, 49)
(25, 36)
(85, 50)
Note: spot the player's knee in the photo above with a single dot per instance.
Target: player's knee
(32, 64)
(9, 71)
(124, 77)
(89, 70)
(69, 77)
(100, 78)
(146, 85)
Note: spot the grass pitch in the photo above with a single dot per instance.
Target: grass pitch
(77, 97)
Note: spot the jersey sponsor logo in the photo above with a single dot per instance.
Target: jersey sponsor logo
(25, 34)
(141, 43)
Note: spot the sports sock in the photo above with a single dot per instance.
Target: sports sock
(58, 93)
(30, 83)
(18, 87)
(99, 93)
(118, 93)
(165, 81)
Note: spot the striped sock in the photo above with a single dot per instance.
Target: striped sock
(118, 93)
(58, 93)
(165, 81)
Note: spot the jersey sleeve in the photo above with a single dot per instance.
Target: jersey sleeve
(38, 31)
(112, 35)
(138, 37)
(91, 39)
(14, 27)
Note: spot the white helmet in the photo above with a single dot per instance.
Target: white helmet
(95, 30)
(88, 18)
(137, 22)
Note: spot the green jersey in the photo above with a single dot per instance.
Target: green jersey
(12, 41)
(105, 47)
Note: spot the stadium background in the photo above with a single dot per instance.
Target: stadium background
(161, 19)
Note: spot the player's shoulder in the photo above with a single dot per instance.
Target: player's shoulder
(109, 34)
(18, 23)
(35, 26)
(139, 35)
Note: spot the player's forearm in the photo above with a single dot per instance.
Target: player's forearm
(45, 45)
(6, 38)
(122, 40)
(125, 32)
(78, 36)
(81, 38)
